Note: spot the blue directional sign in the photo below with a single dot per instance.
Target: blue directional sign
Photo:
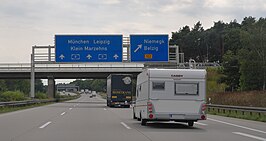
(88, 48)
(149, 48)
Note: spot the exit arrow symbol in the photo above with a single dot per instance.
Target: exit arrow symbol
(115, 56)
(139, 47)
(61, 56)
(89, 56)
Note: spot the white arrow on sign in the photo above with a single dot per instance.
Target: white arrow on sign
(115, 56)
(61, 56)
(89, 56)
(139, 47)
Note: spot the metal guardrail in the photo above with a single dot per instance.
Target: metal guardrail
(30, 102)
(24, 103)
(237, 109)
(46, 67)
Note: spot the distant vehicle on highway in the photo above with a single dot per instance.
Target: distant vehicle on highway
(93, 93)
(119, 90)
(170, 95)
(86, 91)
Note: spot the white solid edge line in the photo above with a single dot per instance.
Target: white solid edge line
(239, 126)
(63, 113)
(250, 136)
(125, 125)
(203, 124)
(46, 124)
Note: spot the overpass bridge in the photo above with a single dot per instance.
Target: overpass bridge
(67, 71)
(44, 66)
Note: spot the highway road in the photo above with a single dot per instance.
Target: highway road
(88, 119)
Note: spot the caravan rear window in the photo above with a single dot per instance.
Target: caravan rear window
(186, 88)
(158, 85)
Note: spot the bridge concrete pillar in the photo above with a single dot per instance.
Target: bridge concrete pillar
(51, 87)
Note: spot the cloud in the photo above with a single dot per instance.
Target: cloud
(35, 22)
(111, 2)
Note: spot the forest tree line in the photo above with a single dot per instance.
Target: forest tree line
(239, 47)
(22, 85)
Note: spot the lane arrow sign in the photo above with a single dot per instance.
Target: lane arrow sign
(115, 56)
(89, 56)
(139, 47)
(61, 56)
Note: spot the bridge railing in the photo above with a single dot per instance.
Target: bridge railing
(15, 66)
(27, 66)
(54, 66)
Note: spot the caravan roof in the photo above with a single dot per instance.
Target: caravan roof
(177, 73)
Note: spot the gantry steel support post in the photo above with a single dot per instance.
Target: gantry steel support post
(32, 77)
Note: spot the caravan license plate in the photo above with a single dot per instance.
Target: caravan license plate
(177, 116)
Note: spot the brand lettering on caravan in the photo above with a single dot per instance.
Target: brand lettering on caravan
(177, 75)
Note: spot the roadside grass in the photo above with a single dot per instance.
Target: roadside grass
(216, 92)
(103, 95)
(213, 78)
(250, 98)
(12, 96)
(17, 108)
(238, 114)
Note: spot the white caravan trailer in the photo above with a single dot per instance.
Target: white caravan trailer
(170, 95)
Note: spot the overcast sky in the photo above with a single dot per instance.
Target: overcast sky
(24, 23)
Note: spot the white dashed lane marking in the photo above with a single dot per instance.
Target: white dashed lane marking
(203, 124)
(46, 124)
(125, 125)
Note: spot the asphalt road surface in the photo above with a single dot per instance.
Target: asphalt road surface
(88, 119)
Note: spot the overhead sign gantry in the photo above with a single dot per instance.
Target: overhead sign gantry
(73, 49)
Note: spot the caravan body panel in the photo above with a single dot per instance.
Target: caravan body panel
(171, 94)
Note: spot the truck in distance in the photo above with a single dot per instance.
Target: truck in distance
(170, 95)
(119, 90)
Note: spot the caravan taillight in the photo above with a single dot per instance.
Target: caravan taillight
(149, 104)
(203, 107)
(203, 117)
(150, 110)
(150, 116)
